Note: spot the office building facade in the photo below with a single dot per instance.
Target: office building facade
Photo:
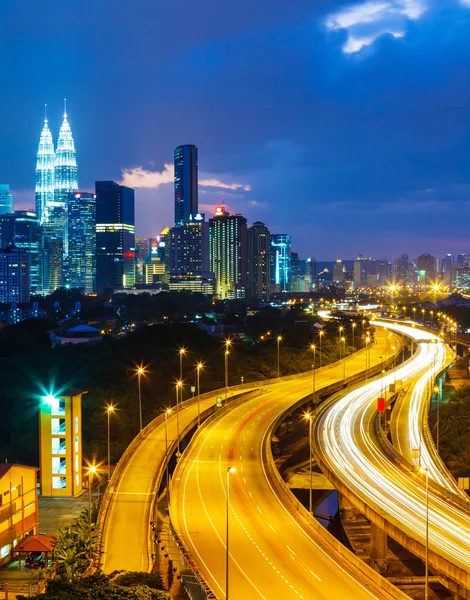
(82, 241)
(185, 183)
(21, 229)
(115, 236)
(228, 253)
(6, 199)
(14, 276)
(259, 261)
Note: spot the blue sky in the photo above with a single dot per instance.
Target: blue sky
(346, 124)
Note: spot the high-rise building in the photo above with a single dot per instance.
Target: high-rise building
(189, 247)
(259, 263)
(142, 250)
(52, 274)
(82, 241)
(14, 276)
(228, 253)
(426, 267)
(21, 229)
(339, 272)
(115, 236)
(402, 270)
(360, 271)
(281, 271)
(45, 164)
(186, 183)
(311, 272)
(6, 199)
(65, 182)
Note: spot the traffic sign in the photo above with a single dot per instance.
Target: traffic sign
(381, 404)
(218, 401)
(193, 388)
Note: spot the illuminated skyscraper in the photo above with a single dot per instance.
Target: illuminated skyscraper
(82, 241)
(45, 163)
(228, 251)
(65, 181)
(115, 236)
(6, 199)
(259, 264)
(186, 182)
(281, 269)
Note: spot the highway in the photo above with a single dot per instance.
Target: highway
(347, 444)
(272, 555)
(127, 518)
(409, 422)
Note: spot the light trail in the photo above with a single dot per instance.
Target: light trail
(346, 440)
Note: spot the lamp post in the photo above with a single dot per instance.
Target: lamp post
(140, 372)
(426, 575)
(182, 352)
(321, 333)
(227, 554)
(437, 391)
(227, 352)
(343, 342)
(353, 325)
(422, 312)
(367, 355)
(179, 385)
(167, 414)
(309, 418)
(109, 410)
(199, 367)
(279, 340)
(91, 471)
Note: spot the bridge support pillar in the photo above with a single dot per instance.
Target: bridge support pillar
(378, 548)
(348, 512)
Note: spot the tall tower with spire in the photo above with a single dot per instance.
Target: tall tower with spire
(45, 166)
(65, 177)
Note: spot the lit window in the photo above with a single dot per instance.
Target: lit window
(58, 445)
(59, 483)
(5, 551)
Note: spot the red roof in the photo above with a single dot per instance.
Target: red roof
(36, 543)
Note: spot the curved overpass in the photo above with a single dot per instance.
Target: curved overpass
(274, 551)
(352, 450)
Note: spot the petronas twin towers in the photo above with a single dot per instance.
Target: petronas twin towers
(56, 177)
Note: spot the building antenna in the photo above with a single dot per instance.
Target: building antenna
(65, 107)
(45, 113)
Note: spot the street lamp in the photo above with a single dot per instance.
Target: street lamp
(179, 384)
(227, 352)
(91, 471)
(426, 576)
(367, 354)
(167, 414)
(279, 340)
(309, 418)
(321, 333)
(109, 410)
(437, 391)
(343, 341)
(199, 367)
(229, 470)
(140, 372)
(182, 352)
(313, 349)
(353, 325)
(422, 312)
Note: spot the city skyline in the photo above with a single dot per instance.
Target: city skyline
(375, 133)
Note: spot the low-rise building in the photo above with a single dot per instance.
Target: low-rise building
(18, 506)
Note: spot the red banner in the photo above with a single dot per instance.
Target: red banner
(381, 404)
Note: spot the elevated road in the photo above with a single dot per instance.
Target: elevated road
(410, 416)
(355, 455)
(272, 552)
(126, 508)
